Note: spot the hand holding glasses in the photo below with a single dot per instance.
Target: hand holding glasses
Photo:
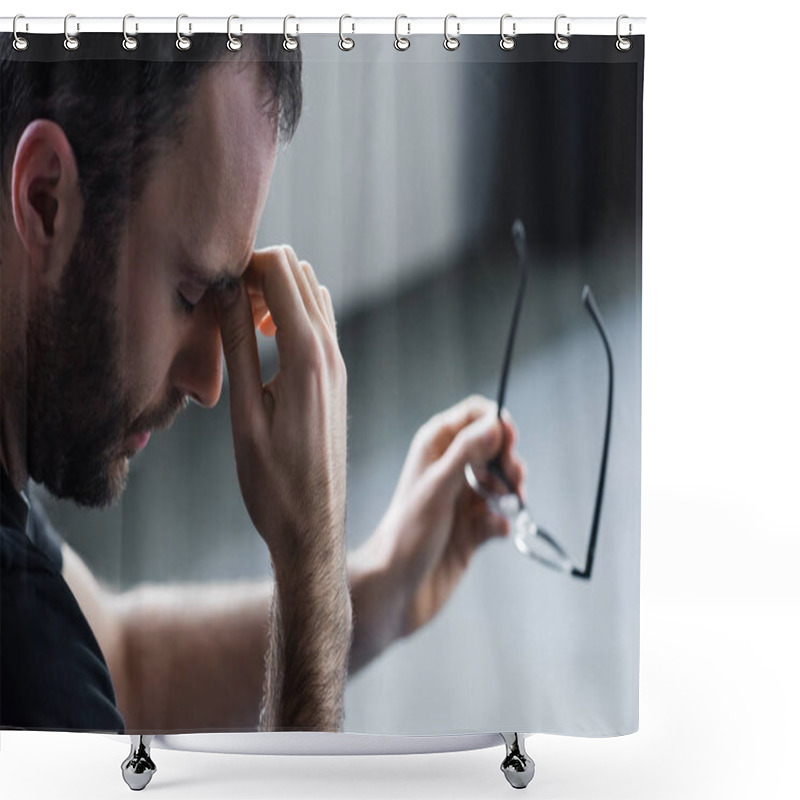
(531, 539)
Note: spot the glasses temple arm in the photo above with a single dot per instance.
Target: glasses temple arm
(520, 242)
(594, 312)
(518, 232)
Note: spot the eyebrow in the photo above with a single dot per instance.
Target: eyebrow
(212, 279)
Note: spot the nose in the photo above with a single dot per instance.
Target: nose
(197, 369)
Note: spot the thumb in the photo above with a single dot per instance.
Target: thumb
(477, 444)
(239, 345)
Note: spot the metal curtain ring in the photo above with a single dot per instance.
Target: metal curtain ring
(20, 42)
(451, 42)
(507, 42)
(129, 42)
(400, 42)
(182, 42)
(561, 43)
(623, 44)
(234, 43)
(345, 42)
(70, 42)
(290, 42)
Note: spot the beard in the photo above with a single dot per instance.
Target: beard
(78, 413)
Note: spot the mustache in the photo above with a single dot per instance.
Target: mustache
(163, 417)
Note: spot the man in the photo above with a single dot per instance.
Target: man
(131, 198)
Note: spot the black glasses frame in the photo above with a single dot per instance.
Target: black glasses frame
(494, 466)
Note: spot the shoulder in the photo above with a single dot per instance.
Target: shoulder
(43, 534)
(38, 548)
(53, 672)
(19, 555)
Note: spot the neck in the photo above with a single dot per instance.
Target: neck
(12, 454)
(13, 382)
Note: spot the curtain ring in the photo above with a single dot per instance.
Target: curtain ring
(129, 42)
(70, 42)
(451, 42)
(234, 43)
(507, 42)
(623, 44)
(561, 43)
(182, 42)
(400, 42)
(345, 42)
(20, 42)
(289, 42)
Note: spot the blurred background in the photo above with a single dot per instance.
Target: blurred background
(400, 187)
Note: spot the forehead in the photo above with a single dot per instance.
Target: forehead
(210, 184)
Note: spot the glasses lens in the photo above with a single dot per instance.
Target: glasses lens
(530, 539)
(533, 541)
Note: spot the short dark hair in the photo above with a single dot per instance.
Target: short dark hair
(116, 105)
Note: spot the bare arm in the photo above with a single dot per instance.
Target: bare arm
(231, 656)
(310, 630)
(193, 656)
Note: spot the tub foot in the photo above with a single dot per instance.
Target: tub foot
(138, 768)
(518, 766)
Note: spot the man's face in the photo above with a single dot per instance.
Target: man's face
(108, 364)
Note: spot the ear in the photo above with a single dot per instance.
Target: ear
(46, 199)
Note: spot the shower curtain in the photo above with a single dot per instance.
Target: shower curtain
(474, 216)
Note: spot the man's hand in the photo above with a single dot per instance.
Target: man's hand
(434, 523)
(289, 434)
(289, 438)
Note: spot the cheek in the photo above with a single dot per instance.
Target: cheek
(147, 321)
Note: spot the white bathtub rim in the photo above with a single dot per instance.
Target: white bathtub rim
(287, 743)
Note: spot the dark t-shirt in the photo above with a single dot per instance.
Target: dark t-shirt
(52, 673)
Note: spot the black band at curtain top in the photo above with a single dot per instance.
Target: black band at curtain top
(375, 48)
(623, 33)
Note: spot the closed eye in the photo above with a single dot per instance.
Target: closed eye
(185, 304)
(189, 295)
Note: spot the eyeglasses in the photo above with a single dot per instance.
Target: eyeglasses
(531, 539)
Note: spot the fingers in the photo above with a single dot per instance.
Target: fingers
(315, 297)
(322, 296)
(307, 282)
(465, 412)
(240, 348)
(312, 283)
(476, 443)
(262, 319)
(270, 274)
(278, 291)
(470, 433)
(492, 525)
(480, 525)
(267, 325)
(513, 466)
(329, 308)
(436, 435)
